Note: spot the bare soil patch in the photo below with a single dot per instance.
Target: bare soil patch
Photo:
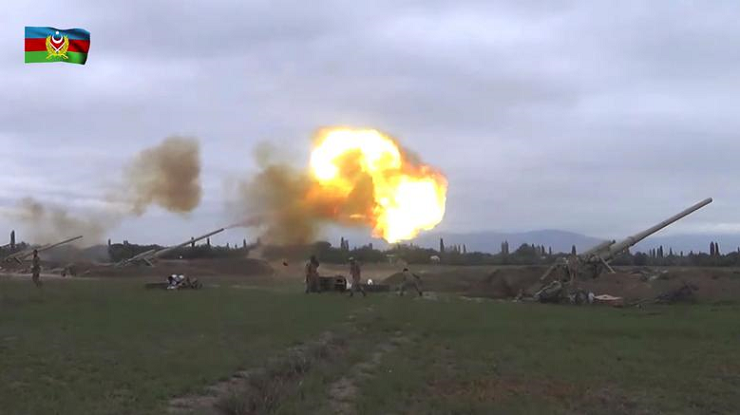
(343, 392)
(259, 390)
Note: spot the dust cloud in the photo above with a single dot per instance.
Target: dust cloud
(50, 224)
(167, 175)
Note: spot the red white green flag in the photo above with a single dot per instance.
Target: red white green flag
(47, 44)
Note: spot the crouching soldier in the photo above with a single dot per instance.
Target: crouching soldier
(354, 271)
(409, 278)
(312, 275)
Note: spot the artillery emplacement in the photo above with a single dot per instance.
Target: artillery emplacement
(593, 262)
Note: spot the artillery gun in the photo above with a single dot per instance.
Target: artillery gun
(148, 257)
(21, 255)
(2, 248)
(593, 262)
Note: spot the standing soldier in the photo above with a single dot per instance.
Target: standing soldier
(572, 265)
(354, 271)
(312, 275)
(36, 268)
(410, 278)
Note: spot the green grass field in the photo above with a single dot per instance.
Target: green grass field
(111, 347)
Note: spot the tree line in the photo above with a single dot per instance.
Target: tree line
(452, 254)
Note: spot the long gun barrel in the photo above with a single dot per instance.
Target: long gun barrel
(138, 257)
(598, 248)
(19, 256)
(145, 257)
(66, 241)
(634, 239)
(188, 242)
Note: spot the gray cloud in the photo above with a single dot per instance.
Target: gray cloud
(576, 115)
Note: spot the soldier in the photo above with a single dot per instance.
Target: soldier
(36, 268)
(572, 267)
(354, 271)
(312, 275)
(410, 278)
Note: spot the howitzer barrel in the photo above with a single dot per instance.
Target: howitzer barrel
(634, 239)
(66, 241)
(19, 256)
(599, 248)
(143, 254)
(152, 254)
(135, 258)
(200, 238)
(188, 242)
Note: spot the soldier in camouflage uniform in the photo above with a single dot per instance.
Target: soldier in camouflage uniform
(572, 267)
(412, 279)
(312, 275)
(36, 268)
(354, 271)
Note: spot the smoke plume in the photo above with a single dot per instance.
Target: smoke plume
(167, 175)
(50, 224)
(275, 195)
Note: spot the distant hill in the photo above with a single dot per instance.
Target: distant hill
(490, 241)
(561, 241)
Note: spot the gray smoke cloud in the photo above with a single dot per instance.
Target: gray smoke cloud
(49, 224)
(167, 175)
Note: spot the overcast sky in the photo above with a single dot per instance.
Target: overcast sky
(594, 118)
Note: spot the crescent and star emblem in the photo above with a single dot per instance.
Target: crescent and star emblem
(57, 47)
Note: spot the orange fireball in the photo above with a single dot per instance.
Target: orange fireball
(365, 177)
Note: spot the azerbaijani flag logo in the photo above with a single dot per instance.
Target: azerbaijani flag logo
(47, 44)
